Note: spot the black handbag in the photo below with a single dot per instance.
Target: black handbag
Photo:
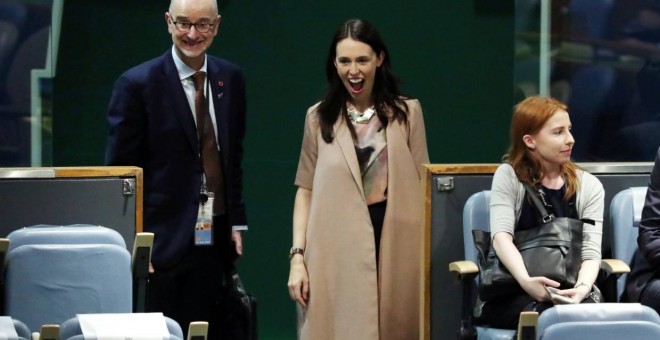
(247, 309)
(553, 249)
(238, 311)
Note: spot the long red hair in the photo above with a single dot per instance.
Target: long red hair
(529, 116)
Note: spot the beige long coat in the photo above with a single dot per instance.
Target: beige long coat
(346, 301)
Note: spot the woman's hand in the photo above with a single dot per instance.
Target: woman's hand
(510, 257)
(535, 287)
(298, 281)
(577, 294)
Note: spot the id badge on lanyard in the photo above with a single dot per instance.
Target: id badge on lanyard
(204, 224)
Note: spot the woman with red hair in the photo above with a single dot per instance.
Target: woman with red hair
(540, 156)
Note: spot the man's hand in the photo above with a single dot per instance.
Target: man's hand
(238, 241)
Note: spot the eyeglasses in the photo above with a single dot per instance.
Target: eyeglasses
(200, 27)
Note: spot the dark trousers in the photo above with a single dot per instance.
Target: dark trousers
(651, 295)
(193, 289)
(377, 215)
(504, 312)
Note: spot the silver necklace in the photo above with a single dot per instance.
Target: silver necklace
(360, 118)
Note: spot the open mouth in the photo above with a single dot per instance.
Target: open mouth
(193, 44)
(356, 85)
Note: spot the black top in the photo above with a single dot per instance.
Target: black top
(530, 217)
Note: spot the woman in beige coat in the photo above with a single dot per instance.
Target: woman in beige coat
(358, 214)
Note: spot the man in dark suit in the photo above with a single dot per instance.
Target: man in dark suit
(154, 115)
(643, 282)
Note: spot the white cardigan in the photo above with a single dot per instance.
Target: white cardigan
(507, 195)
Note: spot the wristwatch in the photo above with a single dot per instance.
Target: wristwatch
(582, 284)
(295, 251)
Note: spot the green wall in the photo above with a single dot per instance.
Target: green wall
(455, 59)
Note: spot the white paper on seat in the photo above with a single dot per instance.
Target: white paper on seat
(7, 329)
(121, 326)
(639, 196)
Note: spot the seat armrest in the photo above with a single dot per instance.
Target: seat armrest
(197, 330)
(464, 269)
(527, 325)
(614, 266)
(612, 270)
(49, 332)
(142, 253)
(4, 246)
(465, 272)
(141, 259)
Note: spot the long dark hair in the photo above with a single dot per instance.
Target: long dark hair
(386, 93)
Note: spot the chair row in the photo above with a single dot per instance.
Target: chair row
(105, 326)
(625, 214)
(53, 274)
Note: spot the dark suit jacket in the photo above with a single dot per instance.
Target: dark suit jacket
(152, 126)
(646, 262)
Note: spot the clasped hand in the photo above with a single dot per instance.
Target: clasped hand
(535, 287)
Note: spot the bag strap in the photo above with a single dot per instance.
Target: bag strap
(545, 217)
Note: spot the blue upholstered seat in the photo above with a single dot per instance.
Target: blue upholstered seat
(625, 214)
(602, 321)
(53, 273)
(476, 216)
(71, 330)
(13, 329)
(70, 234)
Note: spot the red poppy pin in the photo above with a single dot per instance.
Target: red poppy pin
(221, 83)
